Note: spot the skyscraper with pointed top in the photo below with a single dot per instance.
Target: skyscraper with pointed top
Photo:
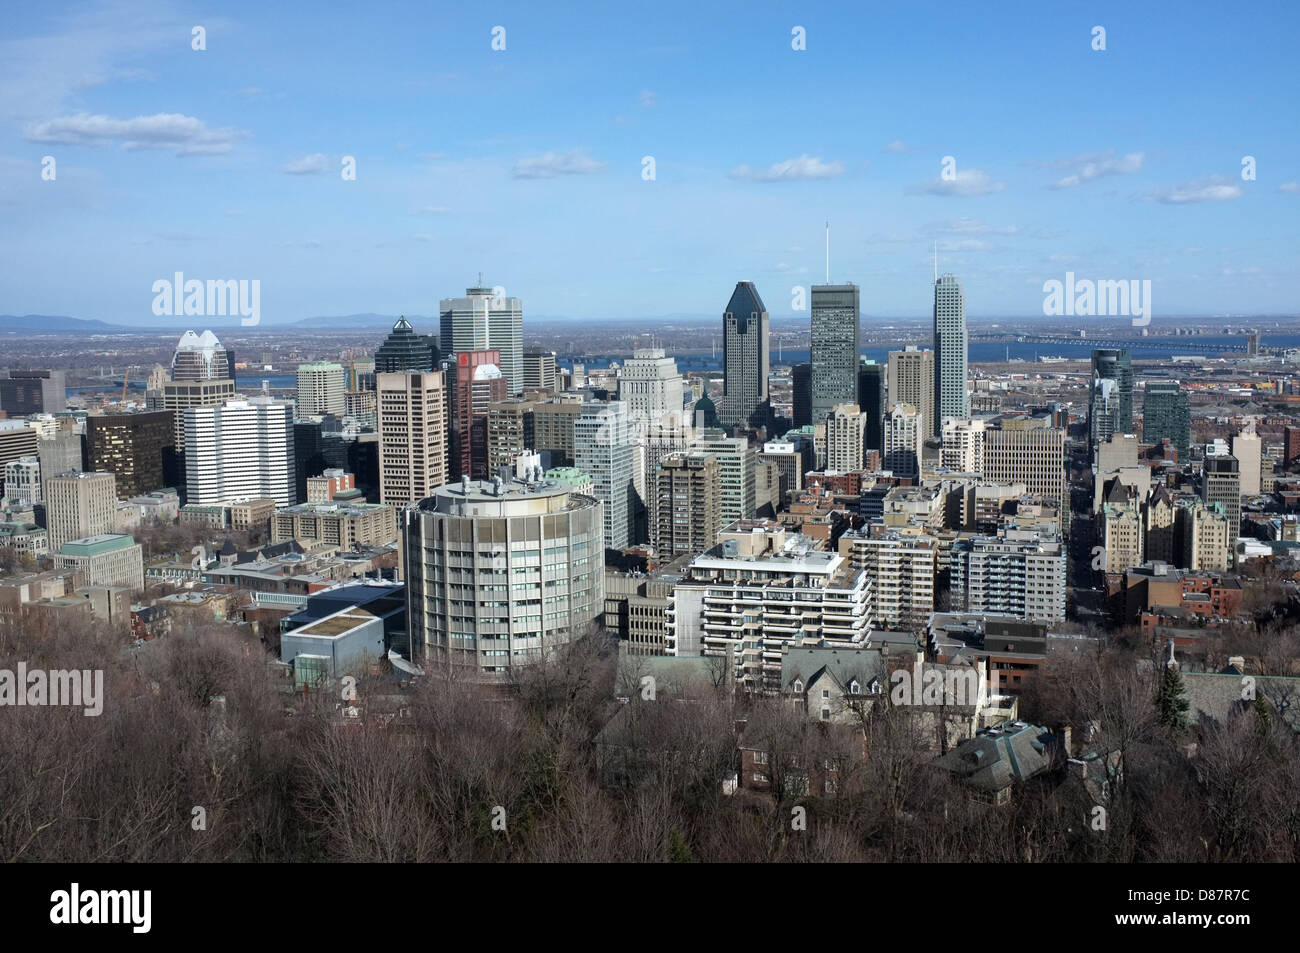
(404, 350)
(745, 359)
(951, 397)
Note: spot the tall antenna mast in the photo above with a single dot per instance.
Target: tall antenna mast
(828, 252)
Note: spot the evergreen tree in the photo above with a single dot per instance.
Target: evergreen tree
(1172, 700)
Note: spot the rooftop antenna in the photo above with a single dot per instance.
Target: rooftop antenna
(828, 252)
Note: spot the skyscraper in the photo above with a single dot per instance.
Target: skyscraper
(910, 378)
(241, 450)
(1249, 451)
(904, 432)
(132, 447)
(404, 350)
(604, 445)
(844, 431)
(1221, 483)
(79, 505)
(951, 397)
(200, 357)
(32, 392)
(412, 435)
(744, 358)
(477, 383)
(737, 463)
(321, 389)
(871, 398)
(652, 387)
(1165, 414)
(1114, 363)
(483, 322)
(834, 348)
(688, 511)
(539, 369)
(801, 394)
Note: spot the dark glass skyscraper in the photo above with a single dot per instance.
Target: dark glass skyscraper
(744, 359)
(1165, 413)
(801, 394)
(834, 347)
(405, 351)
(1115, 364)
(871, 398)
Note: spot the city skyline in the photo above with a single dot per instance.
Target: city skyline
(174, 159)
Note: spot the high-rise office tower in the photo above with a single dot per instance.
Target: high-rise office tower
(744, 359)
(604, 446)
(412, 435)
(910, 379)
(32, 392)
(539, 370)
(476, 383)
(688, 508)
(132, 447)
(480, 321)
(651, 386)
(540, 541)
(1249, 451)
(1026, 450)
(1166, 414)
(21, 483)
(834, 354)
(553, 424)
(79, 505)
(845, 428)
(1114, 363)
(321, 389)
(951, 396)
(1221, 483)
(242, 450)
(904, 433)
(871, 398)
(200, 357)
(404, 351)
(737, 462)
(801, 394)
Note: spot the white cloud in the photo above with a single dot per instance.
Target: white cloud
(896, 146)
(549, 165)
(1214, 188)
(973, 226)
(804, 168)
(646, 98)
(433, 210)
(1086, 168)
(1289, 187)
(967, 183)
(314, 164)
(965, 244)
(187, 135)
(422, 237)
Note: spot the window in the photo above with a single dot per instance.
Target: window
(854, 688)
(826, 693)
(761, 778)
(826, 714)
(797, 686)
(760, 757)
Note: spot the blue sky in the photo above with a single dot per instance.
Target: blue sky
(526, 164)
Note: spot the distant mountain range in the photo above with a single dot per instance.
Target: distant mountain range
(57, 324)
